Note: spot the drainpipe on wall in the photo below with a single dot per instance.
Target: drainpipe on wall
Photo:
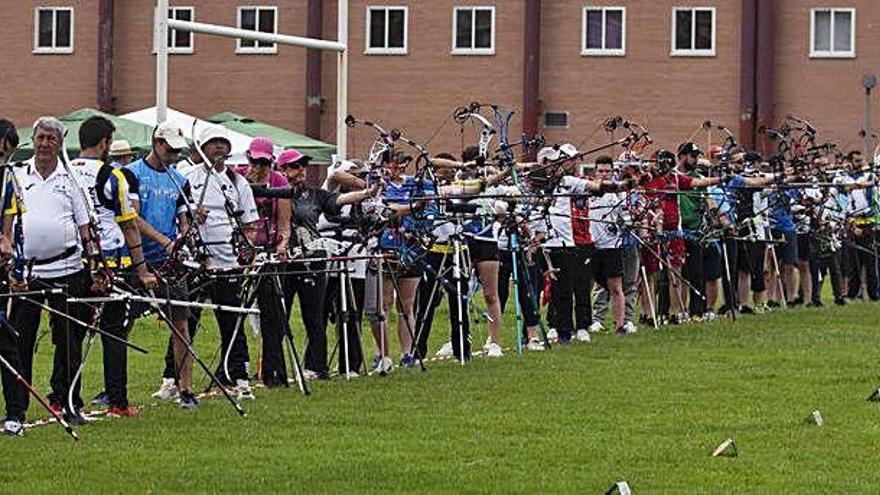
(531, 69)
(314, 100)
(748, 55)
(105, 56)
(764, 75)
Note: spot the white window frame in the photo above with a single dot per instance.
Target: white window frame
(52, 49)
(832, 53)
(472, 51)
(694, 52)
(251, 50)
(385, 50)
(192, 39)
(603, 52)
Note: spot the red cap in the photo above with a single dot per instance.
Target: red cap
(290, 156)
(261, 148)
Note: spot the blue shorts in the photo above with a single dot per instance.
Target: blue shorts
(787, 249)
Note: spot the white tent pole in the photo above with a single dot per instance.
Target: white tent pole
(246, 34)
(342, 82)
(161, 33)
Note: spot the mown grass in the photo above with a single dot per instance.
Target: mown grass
(646, 408)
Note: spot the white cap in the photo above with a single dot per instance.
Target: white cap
(172, 134)
(214, 132)
(553, 153)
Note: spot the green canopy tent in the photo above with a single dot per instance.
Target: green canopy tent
(138, 135)
(320, 152)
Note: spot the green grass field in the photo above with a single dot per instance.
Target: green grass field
(647, 408)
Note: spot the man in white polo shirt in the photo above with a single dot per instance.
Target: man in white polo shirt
(55, 222)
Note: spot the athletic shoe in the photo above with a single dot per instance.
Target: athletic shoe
(494, 350)
(582, 335)
(444, 352)
(188, 401)
(773, 304)
(709, 316)
(407, 361)
(620, 330)
(552, 334)
(243, 389)
(101, 400)
(310, 375)
(596, 327)
(629, 328)
(840, 301)
(385, 365)
(797, 302)
(75, 418)
(124, 412)
(351, 375)
(759, 310)
(649, 322)
(13, 428)
(168, 390)
(745, 309)
(535, 345)
(815, 304)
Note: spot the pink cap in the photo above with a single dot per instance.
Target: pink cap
(261, 148)
(290, 156)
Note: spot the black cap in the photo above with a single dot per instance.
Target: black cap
(689, 148)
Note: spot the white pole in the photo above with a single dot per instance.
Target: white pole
(246, 34)
(342, 82)
(161, 34)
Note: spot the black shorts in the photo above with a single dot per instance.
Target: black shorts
(483, 250)
(787, 250)
(175, 289)
(607, 263)
(804, 247)
(712, 261)
(751, 259)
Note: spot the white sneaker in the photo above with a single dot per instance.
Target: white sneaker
(583, 335)
(552, 334)
(351, 375)
(629, 328)
(487, 344)
(310, 375)
(168, 390)
(385, 365)
(445, 351)
(494, 350)
(12, 427)
(535, 345)
(596, 327)
(243, 389)
(709, 316)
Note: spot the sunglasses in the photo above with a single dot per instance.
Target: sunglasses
(262, 162)
(292, 166)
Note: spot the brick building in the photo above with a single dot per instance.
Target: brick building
(669, 65)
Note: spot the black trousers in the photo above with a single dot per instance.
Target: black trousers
(430, 293)
(352, 316)
(311, 289)
(117, 318)
(866, 260)
(18, 339)
(273, 327)
(694, 274)
(829, 263)
(529, 281)
(572, 271)
(223, 291)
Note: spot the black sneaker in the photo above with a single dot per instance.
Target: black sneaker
(101, 399)
(840, 301)
(745, 309)
(815, 304)
(188, 401)
(770, 304)
(75, 418)
(795, 303)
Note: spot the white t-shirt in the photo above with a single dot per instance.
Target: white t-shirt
(606, 213)
(560, 212)
(52, 214)
(87, 175)
(535, 223)
(218, 227)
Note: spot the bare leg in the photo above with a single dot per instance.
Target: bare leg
(182, 358)
(618, 301)
(488, 273)
(406, 321)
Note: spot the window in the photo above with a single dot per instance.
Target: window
(53, 30)
(473, 30)
(556, 120)
(833, 33)
(604, 31)
(386, 30)
(180, 41)
(693, 32)
(263, 19)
